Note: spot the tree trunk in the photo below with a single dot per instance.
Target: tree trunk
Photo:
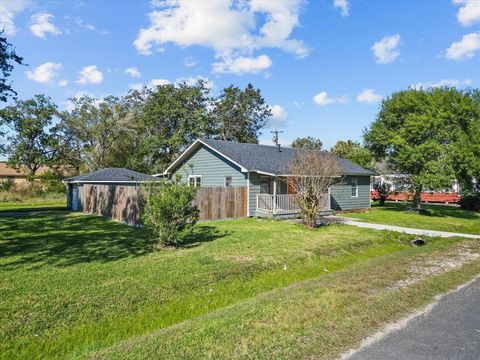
(417, 201)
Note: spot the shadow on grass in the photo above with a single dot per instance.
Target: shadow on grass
(64, 239)
(201, 234)
(26, 210)
(435, 210)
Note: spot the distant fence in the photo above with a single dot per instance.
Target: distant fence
(427, 197)
(124, 203)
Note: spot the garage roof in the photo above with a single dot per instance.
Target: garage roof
(111, 175)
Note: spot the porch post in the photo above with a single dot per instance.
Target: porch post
(274, 195)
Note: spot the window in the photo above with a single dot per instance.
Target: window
(195, 180)
(265, 185)
(228, 181)
(354, 187)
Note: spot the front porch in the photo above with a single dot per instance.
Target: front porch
(277, 198)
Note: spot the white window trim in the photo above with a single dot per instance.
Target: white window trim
(354, 181)
(195, 177)
(225, 180)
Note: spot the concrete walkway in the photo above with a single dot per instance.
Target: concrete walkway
(448, 330)
(405, 230)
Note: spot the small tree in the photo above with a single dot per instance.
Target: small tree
(314, 172)
(169, 212)
(383, 188)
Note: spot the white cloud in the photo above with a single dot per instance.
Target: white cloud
(323, 99)
(279, 115)
(62, 83)
(369, 96)
(40, 25)
(229, 28)
(80, 23)
(469, 13)
(69, 106)
(151, 84)
(189, 61)
(158, 82)
(443, 83)
(464, 48)
(243, 65)
(8, 10)
(90, 75)
(44, 73)
(342, 5)
(133, 72)
(386, 50)
(193, 80)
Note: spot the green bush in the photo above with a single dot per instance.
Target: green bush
(383, 190)
(470, 201)
(51, 182)
(169, 214)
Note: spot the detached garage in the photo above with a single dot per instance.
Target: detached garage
(111, 192)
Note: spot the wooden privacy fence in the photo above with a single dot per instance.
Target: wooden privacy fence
(124, 203)
(217, 203)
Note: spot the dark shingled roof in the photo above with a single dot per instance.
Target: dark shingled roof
(112, 175)
(268, 159)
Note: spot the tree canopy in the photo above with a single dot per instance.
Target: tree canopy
(307, 143)
(239, 115)
(33, 139)
(430, 134)
(353, 151)
(8, 57)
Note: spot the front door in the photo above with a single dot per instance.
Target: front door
(75, 197)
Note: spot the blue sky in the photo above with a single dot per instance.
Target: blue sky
(323, 65)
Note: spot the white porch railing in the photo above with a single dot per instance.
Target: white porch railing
(285, 203)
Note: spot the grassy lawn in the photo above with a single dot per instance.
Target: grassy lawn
(77, 286)
(49, 202)
(442, 218)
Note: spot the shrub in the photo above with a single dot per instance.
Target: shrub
(470, 201)
(52, 182)
(169, 214)
(6, 185)
(383, 190)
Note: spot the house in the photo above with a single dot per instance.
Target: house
(263, 171)
(8, 174)
(111, 192)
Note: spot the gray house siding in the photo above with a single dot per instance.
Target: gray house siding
(212, 167)
(341, 195)
(254, 189)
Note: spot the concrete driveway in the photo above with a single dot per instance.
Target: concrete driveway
(450, 330)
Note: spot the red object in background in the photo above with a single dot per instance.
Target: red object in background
(447, 198)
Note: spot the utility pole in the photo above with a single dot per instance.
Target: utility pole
(275, 137)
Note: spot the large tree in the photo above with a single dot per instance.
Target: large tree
(354, 152)
(414, 132)
(240, 115)
(166, 120)
(8, 57)
(92, 132)
(33, 139)
(307, 143)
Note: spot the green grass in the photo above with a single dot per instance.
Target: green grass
(74, 285)
(441, 217)
(49, 202)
